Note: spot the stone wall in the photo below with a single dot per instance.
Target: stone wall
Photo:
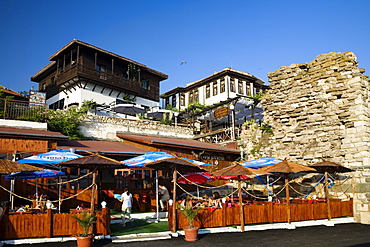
(105, 128)
(320, 110)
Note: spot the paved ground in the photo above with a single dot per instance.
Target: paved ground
(341, 235)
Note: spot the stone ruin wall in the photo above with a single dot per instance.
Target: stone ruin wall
(106, 128)
(320, 110)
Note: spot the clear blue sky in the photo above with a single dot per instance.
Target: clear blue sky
(252, 36)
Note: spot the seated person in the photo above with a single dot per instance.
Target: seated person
(187, 202)
(216, 200)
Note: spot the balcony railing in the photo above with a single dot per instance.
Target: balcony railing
(102, 77)
(19, 110)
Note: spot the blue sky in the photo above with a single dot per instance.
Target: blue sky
(252, 36)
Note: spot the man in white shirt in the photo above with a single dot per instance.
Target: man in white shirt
(126, 200)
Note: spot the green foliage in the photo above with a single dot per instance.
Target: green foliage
(190, 213)
(267, 129)
(171, 108)
(249, 122)
(66, 122)
(85, 221)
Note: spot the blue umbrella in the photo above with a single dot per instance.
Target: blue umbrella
(46, 173)
(52, 157)
(261, 162)
(140, 161)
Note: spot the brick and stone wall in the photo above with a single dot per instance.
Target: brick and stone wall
(105, 128)
(320, 110)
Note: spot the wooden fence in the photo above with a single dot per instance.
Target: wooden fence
(267, 212)
(49, 225)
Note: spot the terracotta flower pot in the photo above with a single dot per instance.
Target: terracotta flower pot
(191, 234)
(85, 241)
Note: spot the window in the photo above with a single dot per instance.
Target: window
(222, 86)
(196, 96)
(248, 90)
(102, 71)
(214, 88)
(182, 100)
(145, 84)
(208, 91)
(240, 87)
(232, 85)
(174, 101)
(191, 97)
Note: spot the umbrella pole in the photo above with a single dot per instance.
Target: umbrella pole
(93, 192)
(327, 195)
(241, 205)
(156, 195)
(197, 190)
(59, 194)
(11, 194)
(174, 223)
(287, 199)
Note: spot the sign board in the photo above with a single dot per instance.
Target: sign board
(37, 98)
(221, 112)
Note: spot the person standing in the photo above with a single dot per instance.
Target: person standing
(165, 196)
(126, 200)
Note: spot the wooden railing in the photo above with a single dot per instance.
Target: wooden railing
(19, 110)
(266, 213)
(48, 225)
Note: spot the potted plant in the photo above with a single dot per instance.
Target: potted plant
(191, 232)
(85, 221)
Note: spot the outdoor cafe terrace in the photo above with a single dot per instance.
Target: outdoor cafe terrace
(238, 205)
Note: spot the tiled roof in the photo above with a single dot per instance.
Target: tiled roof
(31, 133)
(101, 146)
(179, 143)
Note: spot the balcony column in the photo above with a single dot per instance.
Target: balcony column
(112, 66)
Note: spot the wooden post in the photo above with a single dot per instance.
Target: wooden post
(93, 193)
(174, 220)
(49, 227)
(287, 199)
(327, 195)
(271, 212)
(105, 221)
(241, 206)
(224, 216)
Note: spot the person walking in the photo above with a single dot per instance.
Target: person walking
(126, 200)
(165, 196)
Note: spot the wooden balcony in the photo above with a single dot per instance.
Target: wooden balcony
(101, 78)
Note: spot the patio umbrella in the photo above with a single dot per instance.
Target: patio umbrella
(260, 162)
(49, 159)
(196, 178)
(143, 160)
(46, 173)
(93, 162)
(286, 167)
(239, 171)
(329, 167)
(8, 167)
(128, 109)
(175, 164)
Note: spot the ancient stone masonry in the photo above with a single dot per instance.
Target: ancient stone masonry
(320, 110)
(105, 128)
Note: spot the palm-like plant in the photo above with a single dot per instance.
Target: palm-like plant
(190, 213)
(85, 221)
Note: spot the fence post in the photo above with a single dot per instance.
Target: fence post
(49, 227)
(105, 221)
(224, 216)
(271, 212)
